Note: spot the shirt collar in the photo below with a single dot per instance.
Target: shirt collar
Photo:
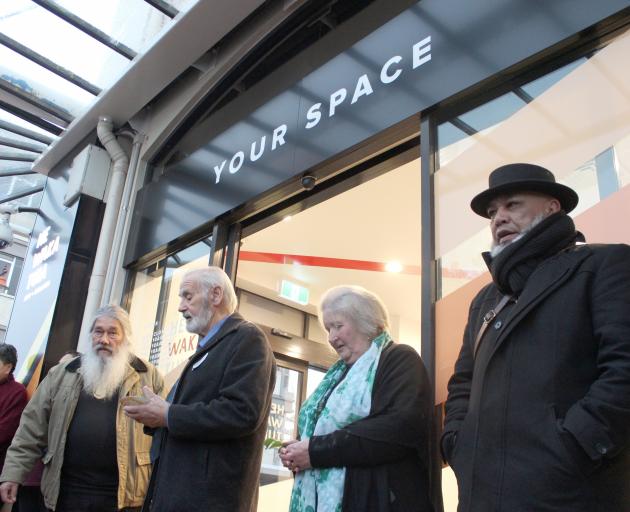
(213, 330)
(10, 378)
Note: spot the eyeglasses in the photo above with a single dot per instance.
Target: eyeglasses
(111, 335)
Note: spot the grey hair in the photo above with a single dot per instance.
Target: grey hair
(364, 309)
(210, 277)
(117, 313)
(8, 355)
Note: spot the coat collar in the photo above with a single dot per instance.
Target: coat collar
(135, 362)
(230, 325)
(548, 277)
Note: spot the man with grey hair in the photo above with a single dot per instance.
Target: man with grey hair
(538, 410)
(94, 458)
(211, 432)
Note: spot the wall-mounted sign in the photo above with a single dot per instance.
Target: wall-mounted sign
(294, 292)
(428, 53)
(46, 247)
(36, 295)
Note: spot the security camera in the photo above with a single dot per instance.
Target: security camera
(6, 233)
(308, 182)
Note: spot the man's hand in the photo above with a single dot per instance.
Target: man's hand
(294, 455)
(8, 492)
(152, 414)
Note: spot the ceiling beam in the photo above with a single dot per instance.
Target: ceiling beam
(26, 113)
(163, 7)
(29, 134)
(19, 144)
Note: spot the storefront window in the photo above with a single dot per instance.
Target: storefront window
(159, 330)
(574, 121)
(367, 236)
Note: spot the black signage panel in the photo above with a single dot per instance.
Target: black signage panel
(36, 296)
(433, 50)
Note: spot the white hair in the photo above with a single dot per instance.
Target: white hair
(117, 313)
(364, 309)
(102, 376)
(208, 278)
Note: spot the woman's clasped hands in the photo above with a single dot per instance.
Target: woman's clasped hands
(294, 455)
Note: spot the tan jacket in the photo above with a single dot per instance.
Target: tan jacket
(46, 420)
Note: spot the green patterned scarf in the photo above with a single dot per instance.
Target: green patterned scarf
(331, 407)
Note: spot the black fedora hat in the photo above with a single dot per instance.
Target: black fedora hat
(523, 178)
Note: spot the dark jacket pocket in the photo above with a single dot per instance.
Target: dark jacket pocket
(585, 465)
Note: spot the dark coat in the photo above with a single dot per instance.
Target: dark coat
(211, 452)
(540, 421)
(386, 454)
(12, 402)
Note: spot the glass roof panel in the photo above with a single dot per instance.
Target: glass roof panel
(57, 40)
(10, 185)
(5, 134)
(46, 86)
(18, 121)
(10, 165)
(15, 185)
(132, 22)
(20, 155)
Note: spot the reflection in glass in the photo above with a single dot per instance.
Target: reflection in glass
(10, 185)
(282, 424)
(575, 122)
(49, 89)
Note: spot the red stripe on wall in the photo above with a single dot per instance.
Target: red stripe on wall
(321, 261)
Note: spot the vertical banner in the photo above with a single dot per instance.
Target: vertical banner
(36, 295)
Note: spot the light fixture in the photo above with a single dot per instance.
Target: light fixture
(393, 266)
(6, 232)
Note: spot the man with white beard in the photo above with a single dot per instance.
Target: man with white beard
(95, 458)
(538, 409)
(211, 432)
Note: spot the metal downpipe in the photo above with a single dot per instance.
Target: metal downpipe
(120, 166)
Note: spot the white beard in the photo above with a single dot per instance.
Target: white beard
(197, 324)
(496, 249)
(103, 376)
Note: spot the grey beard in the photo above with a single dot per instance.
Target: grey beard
(197, 324)
(496, 249)
(102, 377)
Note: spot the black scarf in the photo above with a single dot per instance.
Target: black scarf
(512, 267)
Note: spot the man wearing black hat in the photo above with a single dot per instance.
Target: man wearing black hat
(538, 410)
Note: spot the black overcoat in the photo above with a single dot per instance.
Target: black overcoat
(387, 453)
(210, 454)
(540, 421)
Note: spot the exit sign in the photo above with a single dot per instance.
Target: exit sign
(294, 292)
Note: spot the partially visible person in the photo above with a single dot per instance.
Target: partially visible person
(365, 430)
(210, 437)
(13, 398)
(94, 458)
